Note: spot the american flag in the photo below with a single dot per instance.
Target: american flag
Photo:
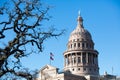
(51, 56)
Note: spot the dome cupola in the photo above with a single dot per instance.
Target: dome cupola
(80, 32)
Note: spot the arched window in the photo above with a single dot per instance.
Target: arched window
(89, 58)
(73, 69)
(74, 45)
(68, 61)
(78, 44)
(86, 45)
(79, 60)
(84, 58)
(74, 59)
(84, 69)
(90, 46)
(83, 45)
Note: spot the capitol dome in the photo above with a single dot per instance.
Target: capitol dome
(80, 57)
(80, 32)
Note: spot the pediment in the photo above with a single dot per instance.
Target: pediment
(48, 68)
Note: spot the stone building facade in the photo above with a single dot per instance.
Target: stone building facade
(49, 72)
(80, 58)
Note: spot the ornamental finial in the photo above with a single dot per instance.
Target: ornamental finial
(79, 13)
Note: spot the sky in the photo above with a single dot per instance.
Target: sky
(101, 19)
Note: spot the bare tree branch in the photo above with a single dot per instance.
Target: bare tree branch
(24, 19)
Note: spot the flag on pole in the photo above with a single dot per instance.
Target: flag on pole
(51, 56)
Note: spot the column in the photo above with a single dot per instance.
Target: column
(71, 59)
(76, 58)
(80, 45)
(85, 45)
(92, 58)
(68, 61)
(84, 57)
(87, 57)
(65, 60)
(81, 57)
(97, 60)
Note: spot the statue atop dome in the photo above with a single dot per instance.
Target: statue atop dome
(79, 13)
(80, 20)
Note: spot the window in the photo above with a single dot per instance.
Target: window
(79, 61)
(84, 69)
(74, 59)
(86, 45)
(74, 44)
(78, 44)
(89, 58)
(83, 45)
(78, 69)
(90, 69)
(84, 58)
(90, 46)
(94, 69)
(68, 61)
(73, 69)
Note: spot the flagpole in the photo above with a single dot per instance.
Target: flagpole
(112, 70)
(50, 61)
(51, 57)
